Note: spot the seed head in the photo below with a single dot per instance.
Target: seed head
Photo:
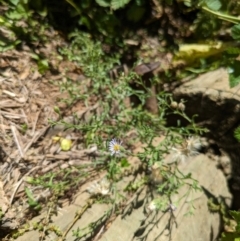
(101, 187)
(190, 147)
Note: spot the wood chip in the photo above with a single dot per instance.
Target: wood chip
(11, 94)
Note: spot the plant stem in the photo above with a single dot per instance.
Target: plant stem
(223, 16)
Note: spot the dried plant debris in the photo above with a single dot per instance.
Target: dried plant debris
(190, 147)
(27, 103)
(101, 187)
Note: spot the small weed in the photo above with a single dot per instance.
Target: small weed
(115, 125)
(109, 127)
(234, 233)
(116, 120)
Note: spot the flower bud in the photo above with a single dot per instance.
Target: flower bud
(174, 104)
(181, 106)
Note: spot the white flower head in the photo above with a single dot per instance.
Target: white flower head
(115, 147)
(189, 148)
(152, 206)
(101, 187)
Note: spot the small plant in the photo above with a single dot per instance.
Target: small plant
(117, 124)
(233, 235)
(237, 133)
(209, 52)
(31, 201)
(21, 23)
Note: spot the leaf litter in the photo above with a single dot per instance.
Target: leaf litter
(28, 149)
(27, 102)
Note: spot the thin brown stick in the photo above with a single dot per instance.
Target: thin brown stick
(20, 182)
(35, 138)
(13, 128)
(99, 233)
(35, 122)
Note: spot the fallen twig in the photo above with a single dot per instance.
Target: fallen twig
(13, 128)
(20, 182)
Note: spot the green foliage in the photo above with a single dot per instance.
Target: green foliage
(73, 91)
(31, 200)
(42, 63)
(235, 235)
(117, 120)
(209, 53)
(236, 216)
(215, 5)
(234, 73)
(19, 18)
(104, 17)
(233, 50)
(237, 133)
(113, 4)
(95, 64)
(236, 32)
(24, 128)
(101, 17)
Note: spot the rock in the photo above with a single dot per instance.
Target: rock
(202, 225)
(225, 163)
(215, 106)
(161, 226)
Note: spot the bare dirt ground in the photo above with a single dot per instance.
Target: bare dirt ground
(27, 103)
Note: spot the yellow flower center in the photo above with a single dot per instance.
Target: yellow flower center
(116, 147)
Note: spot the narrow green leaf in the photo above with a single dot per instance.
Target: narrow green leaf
(34, 56)
(236, 32)
(116, 4)
(104, 3)
(43, 12)
(14, 2)
(72, 3)
(30, 195)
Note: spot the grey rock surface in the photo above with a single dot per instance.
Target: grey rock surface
(216, 106)
(160, 226)
(202, 225)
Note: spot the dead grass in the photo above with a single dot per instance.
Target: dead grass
(27, 104)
